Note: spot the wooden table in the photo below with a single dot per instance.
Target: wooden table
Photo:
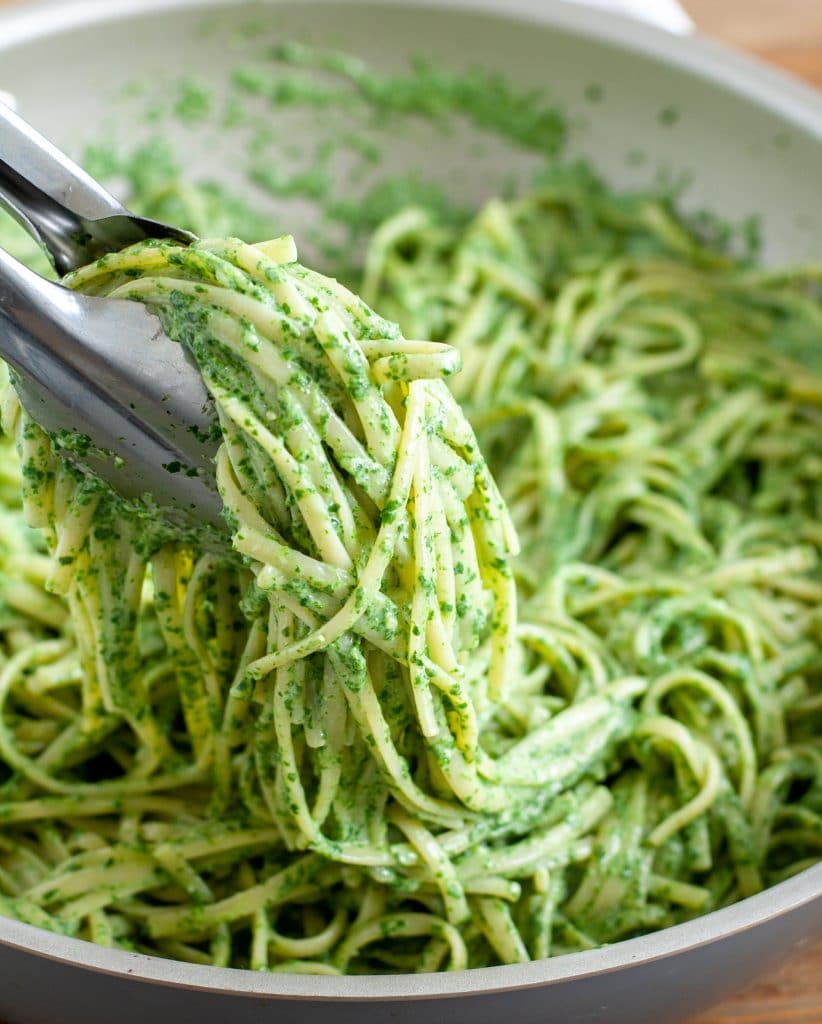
(788, 33)
(785, 32)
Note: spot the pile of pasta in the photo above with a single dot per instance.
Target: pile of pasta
(430, 712)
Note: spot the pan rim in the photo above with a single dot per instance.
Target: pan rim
(802, 890)
(745, 75)
(769, 89)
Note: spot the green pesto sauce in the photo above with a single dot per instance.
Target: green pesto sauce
(666, 498)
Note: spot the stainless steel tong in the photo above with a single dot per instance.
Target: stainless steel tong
(100, 370)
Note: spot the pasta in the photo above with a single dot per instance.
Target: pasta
(376, 735)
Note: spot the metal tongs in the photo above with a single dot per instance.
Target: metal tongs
(93, 368)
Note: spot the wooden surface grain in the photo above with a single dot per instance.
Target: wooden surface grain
(787, 33)
(788, 994)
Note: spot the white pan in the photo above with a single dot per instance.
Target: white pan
(750, 142)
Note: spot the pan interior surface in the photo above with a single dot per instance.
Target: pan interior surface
(643, 107)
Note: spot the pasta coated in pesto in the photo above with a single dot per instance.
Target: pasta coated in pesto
(378, 736)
